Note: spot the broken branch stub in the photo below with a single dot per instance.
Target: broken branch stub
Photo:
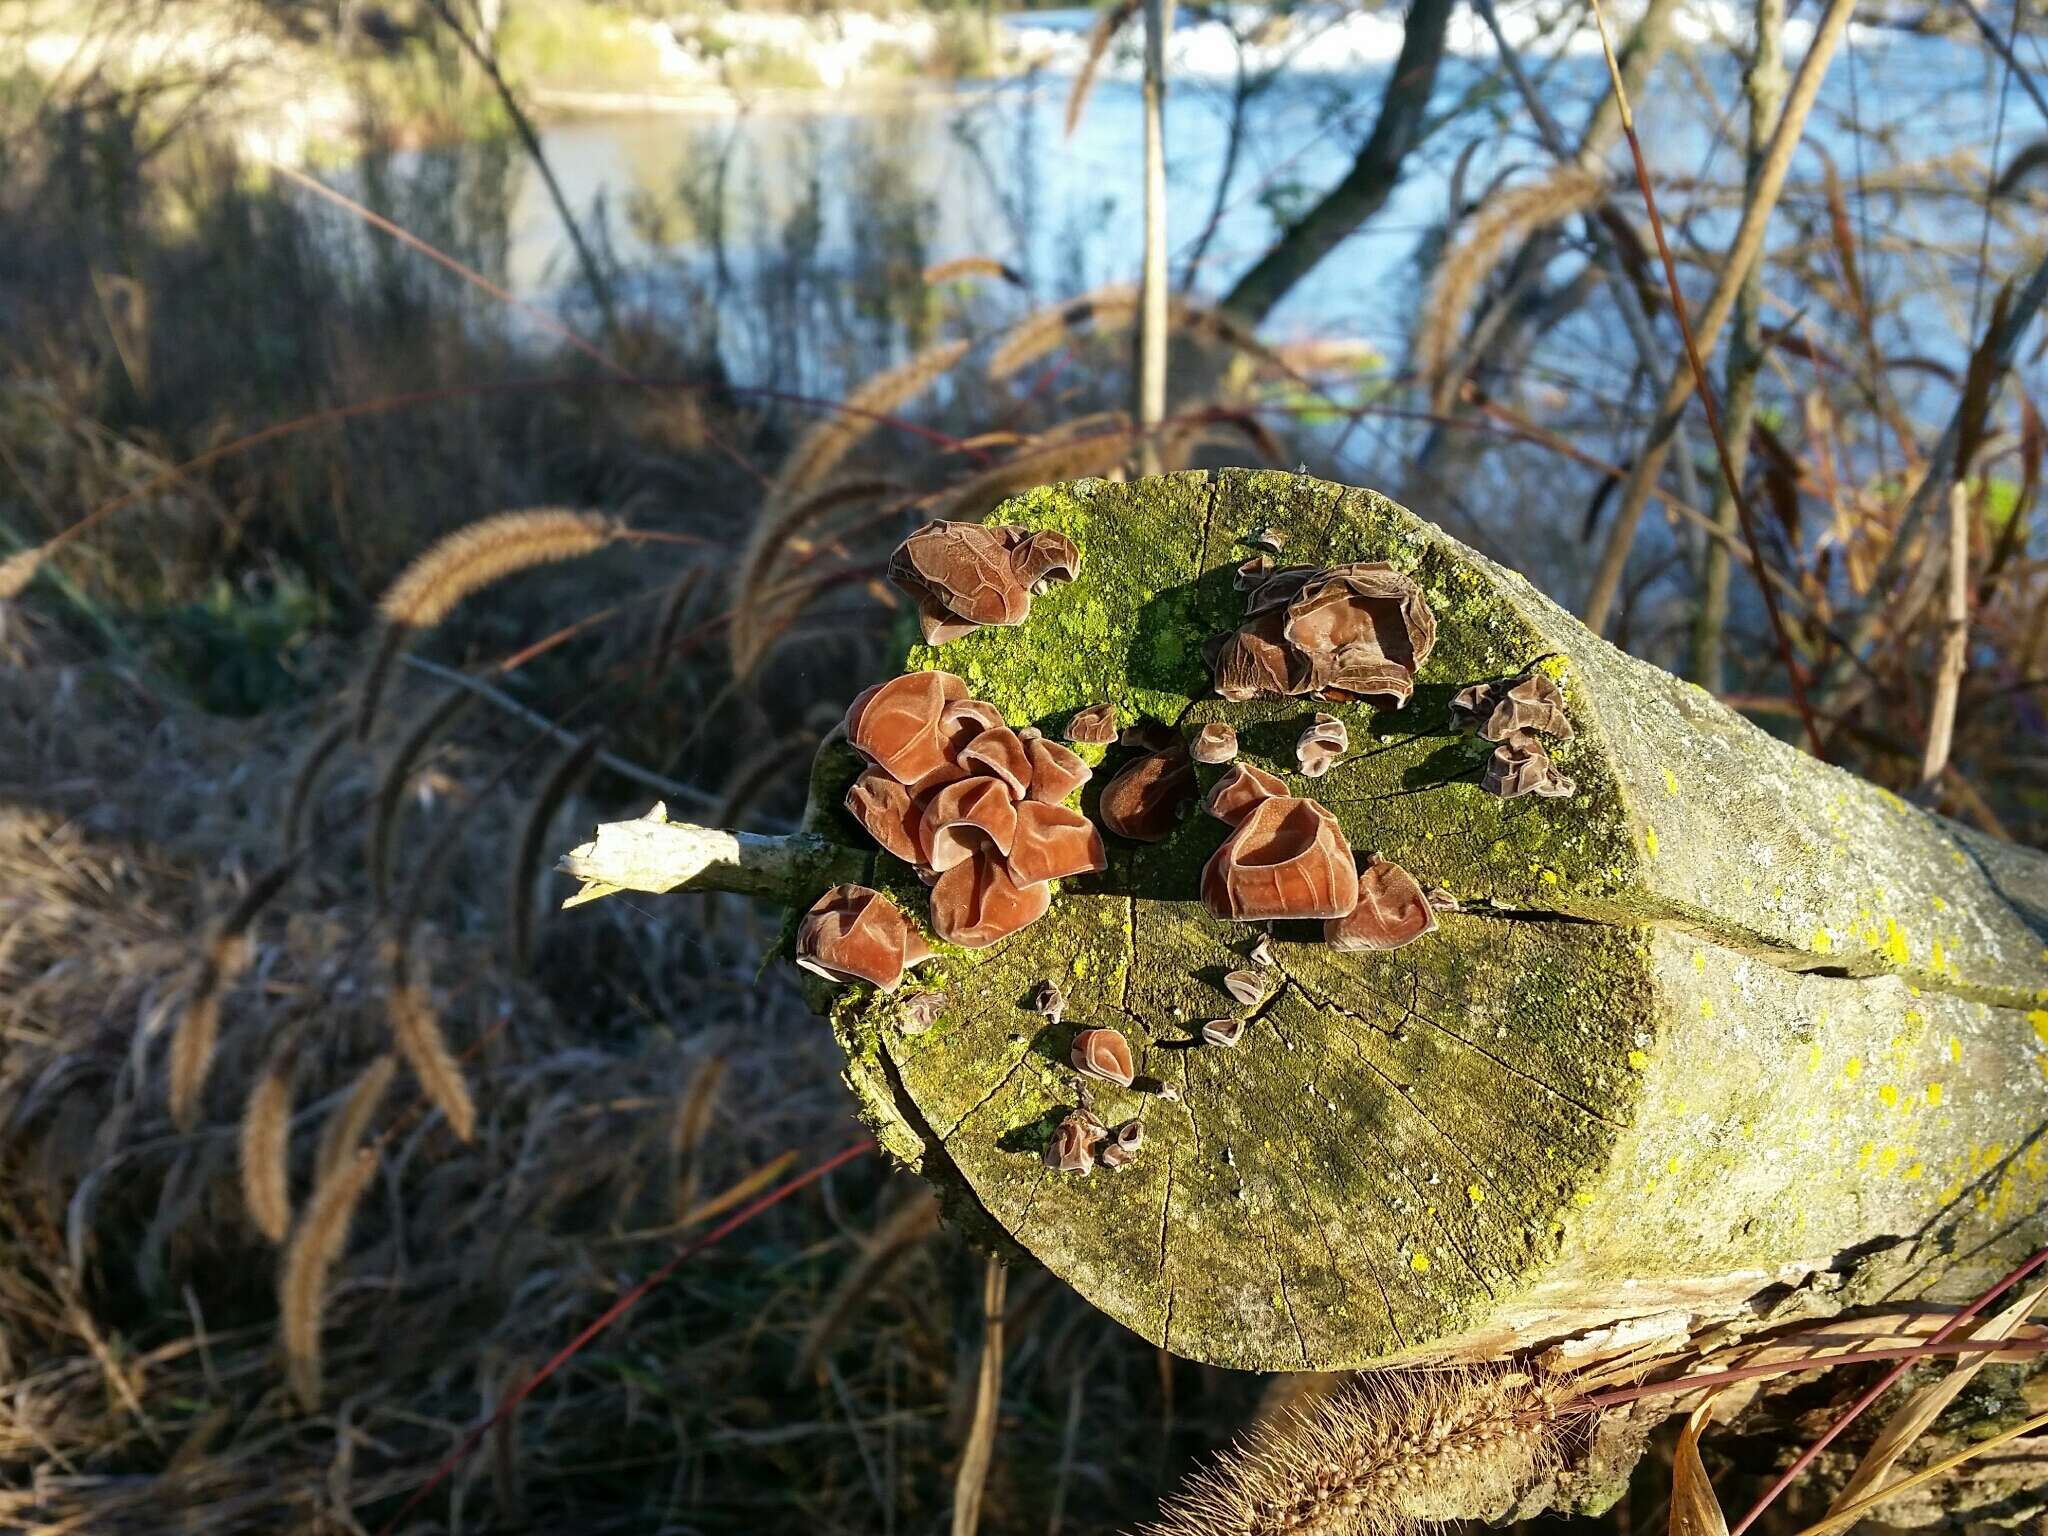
(1722, 1022)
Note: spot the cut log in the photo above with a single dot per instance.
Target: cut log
(1726, 1023)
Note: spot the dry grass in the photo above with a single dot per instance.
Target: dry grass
(462, 564)
(641, 1074)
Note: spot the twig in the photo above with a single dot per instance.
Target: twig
(2000, 349)
(1805, 1458)
(1843, 1519)
(498, 699)
(1955, 638)
(1738, 267)
(586, 258)
(981, 1435)
(1152, 318)
(1742, 252)
(1764, 82)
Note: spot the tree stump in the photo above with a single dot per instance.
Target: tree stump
(1726, 1023)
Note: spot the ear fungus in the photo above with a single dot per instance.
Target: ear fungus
(1242, 786)
(1214, 743)
(1103, 1054)
(1287, 859)
(967, 817)
(897, 725)
(1073, 1144)
(889, 813)
(1362, 629)
(1144, 801)
(1054, 843)
(998, 751)
(961, 576)
(1321, 745)
(1094, 726)
(976, 903)
(1055, 772)
(1045, 557)
(1392, 910)
(852, 933)
(1522, 767)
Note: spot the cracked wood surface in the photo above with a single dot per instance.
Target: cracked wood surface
(1725, 1023)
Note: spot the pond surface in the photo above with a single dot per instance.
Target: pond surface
(989, 170)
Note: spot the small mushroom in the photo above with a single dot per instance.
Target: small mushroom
(889, 813)
(1145, 800)
(1392, 910)
(917, 1013)
(1053, 842)
(1095, 725)
(960, 576)
(1224, 1032)
(1442, 899)
(1287, 859)
(1000, 752)
(966, 817)
(897, 725)
(1262, 952)
(1270, 538)
(854, 933)
(1055, 772)
(1103, 1054)
(1242, 786)
(1045, 557)
(1050, 999)
(1257, 659)
(976, 903)
(1248, 987)
(1321, 745)
(1214, 743)
(1522, 767)
(1121, 1149)
(1533, 704)
(1073, 1144)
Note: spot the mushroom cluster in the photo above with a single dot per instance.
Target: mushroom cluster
(1512, 714)
(965, 575)
(1287, 858)
(1360, 630)
(976, 807)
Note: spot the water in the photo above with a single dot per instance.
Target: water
(988, 170)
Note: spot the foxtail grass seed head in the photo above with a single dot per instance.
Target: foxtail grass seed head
(1394, 1452)
(416, 1029)
(302, 1284)
(462, 563)
(265, 1148)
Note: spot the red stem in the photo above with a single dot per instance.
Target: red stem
(1806, 1457)
(612, 1314)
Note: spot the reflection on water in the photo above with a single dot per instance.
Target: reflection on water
(989, 171)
